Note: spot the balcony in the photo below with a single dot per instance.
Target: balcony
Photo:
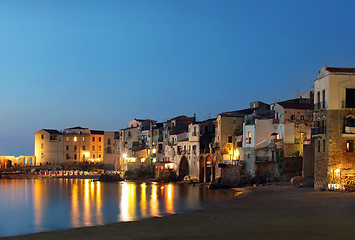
(349, 130)
(318, 130)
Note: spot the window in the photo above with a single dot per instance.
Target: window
(302, 117)
(75, 148)
(129, 133)
(83, 139)
(248, 140)
(323, 103)
(42, 136)
(318, 145)
(67, 139)
(99, 148)
(75, 139)
(42, 155)
(93, 148)
(323, 145)
(68, 157)
(74, 156)
(41, 145)
(230, 139)
(349, 146)
(83, 147)
(99, 139)
(293, 117)
(99, 155)
(93, 155)
(109, 141)
(93, 139)
(67, 148)
(350, 98)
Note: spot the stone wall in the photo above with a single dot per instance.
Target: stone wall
(308, 165)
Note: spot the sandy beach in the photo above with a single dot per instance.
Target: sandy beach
(265, 212)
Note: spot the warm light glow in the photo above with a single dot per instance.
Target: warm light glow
(154, 160)
(130, 159)
(142, 159)
(236, 154)
(87, 154)
(124, 155)
(154, 150)
(337, 170)
(75, 139)
(169, 165)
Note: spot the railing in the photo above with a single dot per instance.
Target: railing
(231, 162)
(349, 130)
(318, 130)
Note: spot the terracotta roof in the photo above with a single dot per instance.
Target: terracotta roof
(52, 131)
(340, 70)
(298, 103)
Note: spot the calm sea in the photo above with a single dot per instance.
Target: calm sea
(36, 205)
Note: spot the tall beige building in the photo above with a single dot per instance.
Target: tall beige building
(72, 145)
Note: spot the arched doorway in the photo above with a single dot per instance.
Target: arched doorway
(183, 168)
(202, 169)
(208, 168)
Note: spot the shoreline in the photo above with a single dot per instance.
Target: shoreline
(263, 212)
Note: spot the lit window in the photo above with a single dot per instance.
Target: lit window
(248, 137)
(83, 139)
(67, 139)
(75, 139)
(302, 117)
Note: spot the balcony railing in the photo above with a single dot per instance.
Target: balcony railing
(349, 130)
(318, 130)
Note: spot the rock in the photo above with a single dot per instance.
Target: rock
(110, 178)
(296, 181)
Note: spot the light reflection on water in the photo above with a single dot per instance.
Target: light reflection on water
(35, 205)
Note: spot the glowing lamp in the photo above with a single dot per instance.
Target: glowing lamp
(124, 155)
(337, 170)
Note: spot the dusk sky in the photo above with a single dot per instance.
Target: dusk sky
(100, 64)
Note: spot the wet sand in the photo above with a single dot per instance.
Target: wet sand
(267, 212)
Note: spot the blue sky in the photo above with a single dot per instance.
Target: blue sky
(99, 64)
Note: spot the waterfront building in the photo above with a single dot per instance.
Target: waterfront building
(49, 147)
(334, 127)
(71, 146)
(20, 161)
